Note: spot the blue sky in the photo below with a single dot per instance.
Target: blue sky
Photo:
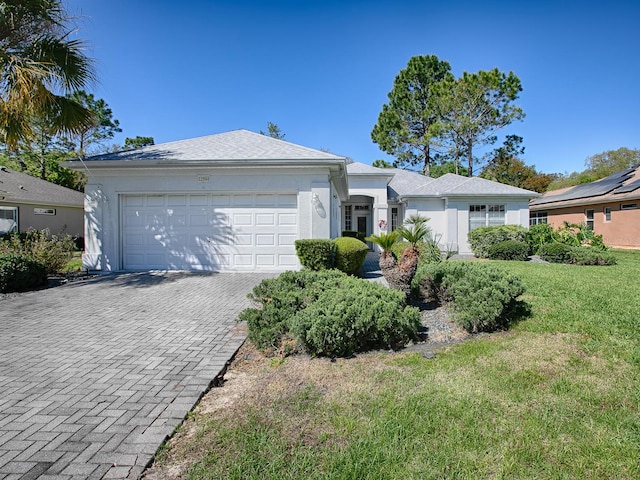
(321, 70)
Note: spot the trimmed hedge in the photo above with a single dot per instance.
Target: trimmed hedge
(480, 239)
(555, 252)
(350, 255)
(316, 254)
(561, 253)
(483, 297)
(509, 250)
(354, 234)
(20, 272)
(328, 313)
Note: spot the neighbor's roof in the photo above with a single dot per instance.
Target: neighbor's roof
(16, 187)
(406, 183)
(619, 186)
(236, 146)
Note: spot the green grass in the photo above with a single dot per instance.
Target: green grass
(74, 264)
(557, 397)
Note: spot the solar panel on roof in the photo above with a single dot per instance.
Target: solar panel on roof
(629, 187)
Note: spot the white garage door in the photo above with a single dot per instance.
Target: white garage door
(209, 232)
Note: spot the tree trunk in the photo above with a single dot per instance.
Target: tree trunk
(470, 159)
(427, 161)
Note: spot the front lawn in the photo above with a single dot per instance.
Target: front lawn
(557, 396)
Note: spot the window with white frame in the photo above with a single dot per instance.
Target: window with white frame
(394, 218)
(8, 219)
(536, 218)
(590, 217)
(607, 214)
(486, 216)
(347, 217)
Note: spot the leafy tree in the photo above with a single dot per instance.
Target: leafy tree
(381, 164)
(101, 128)
(39, 65)
(273, 131)
(506, 167)
(448, 167)
(474, 107)
(605, 163)
(137, 142)
(407, 126)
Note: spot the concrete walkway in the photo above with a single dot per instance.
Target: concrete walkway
(94, 376)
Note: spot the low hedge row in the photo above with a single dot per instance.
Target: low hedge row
(347, 254)
(562, 253)
(509, 250)
(481, 239)
(483, 297)
(328, 313)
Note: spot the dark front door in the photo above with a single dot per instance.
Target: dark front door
(362, 226)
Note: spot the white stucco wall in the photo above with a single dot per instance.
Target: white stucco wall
(102, 197)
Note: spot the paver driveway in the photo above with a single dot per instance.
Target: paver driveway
(94, 376)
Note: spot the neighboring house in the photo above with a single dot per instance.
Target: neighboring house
(28, 202)
(609, 206)
(237, 201)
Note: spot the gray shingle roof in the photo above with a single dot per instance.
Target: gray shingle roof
(19, 187)
(406, 183)
(234, 145)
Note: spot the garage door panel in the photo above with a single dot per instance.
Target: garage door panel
(209, 232)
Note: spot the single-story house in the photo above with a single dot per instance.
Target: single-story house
(28, 202)
(237, 201)
(609, 206)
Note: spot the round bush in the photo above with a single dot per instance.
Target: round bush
(355, 317)
(316, 253)
(555, 252)
(509, 250)
(20, 272)
(350, 255)
(480, 239)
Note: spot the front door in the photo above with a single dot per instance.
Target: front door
(362, 226)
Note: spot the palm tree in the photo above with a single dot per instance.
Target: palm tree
(39, 65)
(385, 241)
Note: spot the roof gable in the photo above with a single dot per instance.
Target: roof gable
(236, 145)
(19, 187)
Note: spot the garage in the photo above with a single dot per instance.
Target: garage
(209, 232)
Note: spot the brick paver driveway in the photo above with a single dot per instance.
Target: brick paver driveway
(95, 375)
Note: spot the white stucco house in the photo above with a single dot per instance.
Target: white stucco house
(237, 201)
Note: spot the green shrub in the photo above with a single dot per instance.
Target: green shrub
(316, 254)
(483, 297)
(279, 299)
(20, 272)
(328, 313)
(590, 256)
(509, 250)
(357, 316)
(480, 239)
(350, 255)
(53, 251)
(555, 252)
(539, 235)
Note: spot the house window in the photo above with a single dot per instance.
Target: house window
(44, 211)
(8, 219)
(394, 218)
(589, 216)
(536, 218)
(607, 214)
(347, 217)
(628, 206)
(486, 215)
(362, 208)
